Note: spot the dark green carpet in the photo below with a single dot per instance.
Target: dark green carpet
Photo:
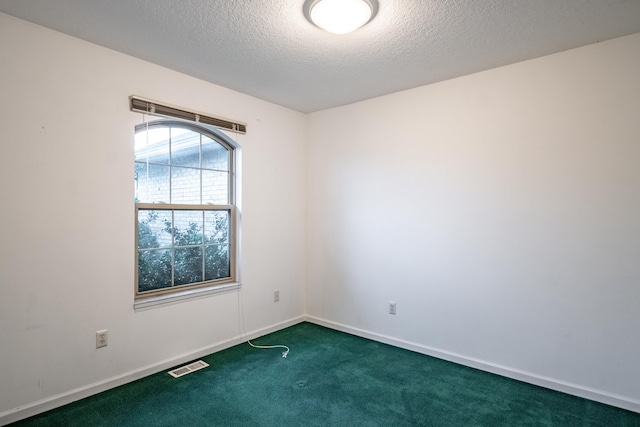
(331, 379)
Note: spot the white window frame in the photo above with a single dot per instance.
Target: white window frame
(148, 299)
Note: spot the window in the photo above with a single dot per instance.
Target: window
(185, 208)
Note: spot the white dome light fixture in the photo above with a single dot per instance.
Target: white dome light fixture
(340, 16)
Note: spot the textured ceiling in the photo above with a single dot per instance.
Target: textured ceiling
(266, 48)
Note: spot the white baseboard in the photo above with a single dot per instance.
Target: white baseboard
(26, 411)
(528, 377)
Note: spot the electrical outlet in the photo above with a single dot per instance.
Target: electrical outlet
(276, 296)
(392, 307)
(102, 339)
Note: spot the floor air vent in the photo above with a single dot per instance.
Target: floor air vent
(187, 369)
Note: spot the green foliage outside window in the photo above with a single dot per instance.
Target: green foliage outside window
(191, 247)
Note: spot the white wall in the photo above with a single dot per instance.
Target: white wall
(67, 226)
(500, 210)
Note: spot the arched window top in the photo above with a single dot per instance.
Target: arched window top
(210, 131)
(184, 162)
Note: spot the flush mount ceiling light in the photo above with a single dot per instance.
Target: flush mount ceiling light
(340, 16)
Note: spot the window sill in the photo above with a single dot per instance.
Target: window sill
(145, 303)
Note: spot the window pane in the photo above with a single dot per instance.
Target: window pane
(214, 155)
(215, 187)
(185, 185)
(154, 229)
(152, 183)
(217, 263)
(188, 265)
(185, 148)
(153, 145)
(154, 269)
(216, 226)
(187, 228)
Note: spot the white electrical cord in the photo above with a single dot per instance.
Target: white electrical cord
(284, 353)
(243, 331)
